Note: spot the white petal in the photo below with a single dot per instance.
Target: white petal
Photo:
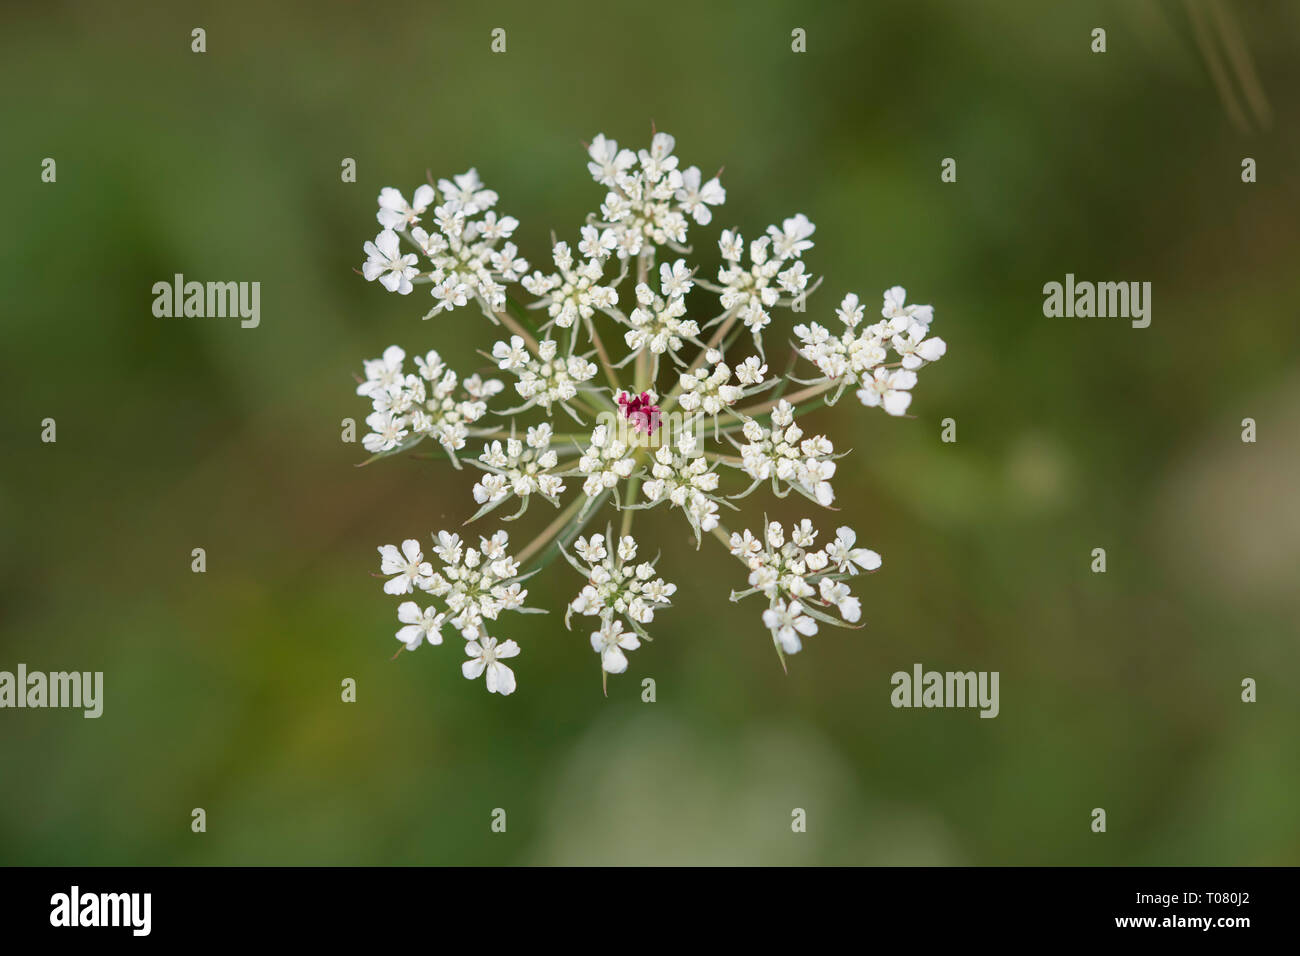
(902, 380)
(932, 349)
(866, 558)
(896, 402)
(613, 661)
(500, 679)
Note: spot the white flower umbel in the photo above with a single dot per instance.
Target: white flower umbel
(472, 586)
(751, 292)
(782, 453)
(545, 379)
(684, 479)
(708, 390)
(657, 323)
(617, 590)
(461, 241)
(859, 357)
(520, 468)
(649, 199)
(627, 334)
(409, 407)
(605, 463)
(801, 582)
(574, 292)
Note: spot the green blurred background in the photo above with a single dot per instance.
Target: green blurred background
(223, 690)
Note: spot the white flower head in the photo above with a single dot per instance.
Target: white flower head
(890, 389)
(610, 641)
(787, 622)
(639, 333)
(410, 407)
(396, 213)
(752, 292)
(407, 566)
(386, 262)
(485, 657)
(606, 461)
(802, 582)
(787, 457)
(461, 242)
(848, 558)
(622, 593)
(649, 201)
(420, 625)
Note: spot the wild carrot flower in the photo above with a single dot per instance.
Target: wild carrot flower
(667, 376)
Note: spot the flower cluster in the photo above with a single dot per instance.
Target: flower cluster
(614, 585)
(618, 592)
(474, 585)
(649, 199)
(606, 461)
(519, 468)
(798, 580)
(574, 291)
(684, 479)
(782, 454)
(409, 407)
(749, 291)
(708, 389)
(545, 377)
(462, 252)
(858, 358)
(675, 402)
(657, 322)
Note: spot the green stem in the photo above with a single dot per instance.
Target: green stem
(722, 535)
(513, 324)
(605, 363)
(809, 392)
(633, 486)
(551, 530)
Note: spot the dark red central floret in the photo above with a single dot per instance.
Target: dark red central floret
(638, 409)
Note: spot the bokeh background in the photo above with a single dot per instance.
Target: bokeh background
(1119, 690)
